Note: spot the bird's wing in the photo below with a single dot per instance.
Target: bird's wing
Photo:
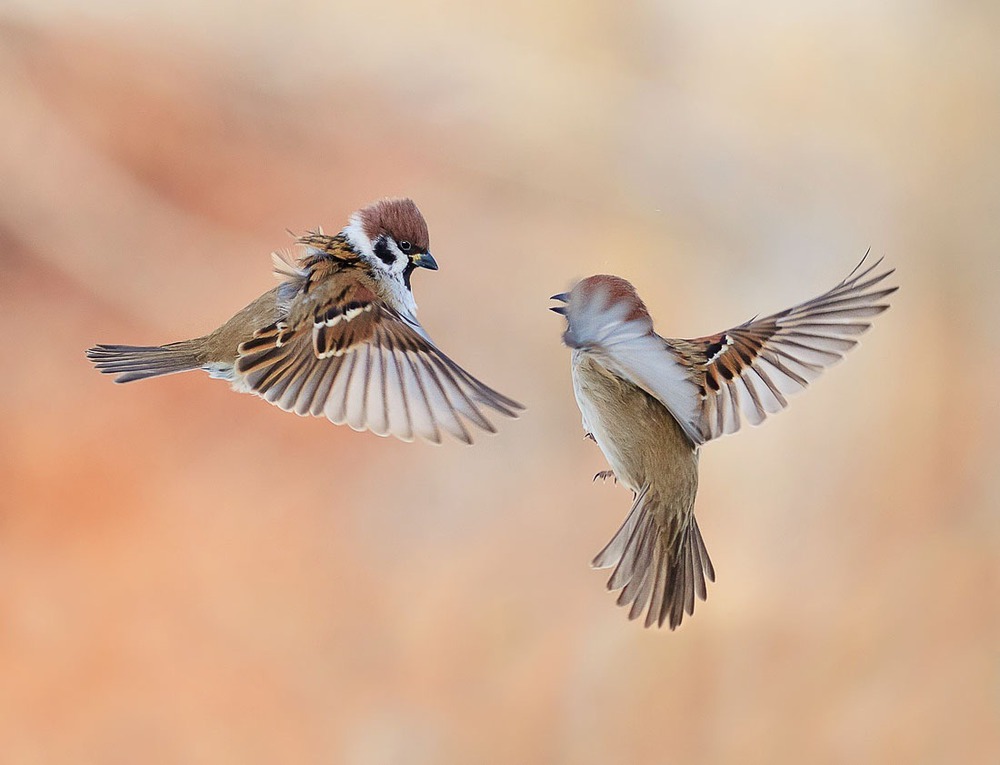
(707, 382)
(750, 369)
(355, 360)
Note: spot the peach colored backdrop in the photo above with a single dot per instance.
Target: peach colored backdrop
(192, 576)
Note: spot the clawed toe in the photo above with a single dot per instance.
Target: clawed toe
(604, 475)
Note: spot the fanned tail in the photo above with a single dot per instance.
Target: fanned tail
(137, 362)
(662, 566)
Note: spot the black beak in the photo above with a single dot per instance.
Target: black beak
(560, 309)
(425, 260)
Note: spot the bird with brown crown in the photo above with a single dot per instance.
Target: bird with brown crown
(338, 338)
(650, 402)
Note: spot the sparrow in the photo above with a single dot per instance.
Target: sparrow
(650, 402)
(338, 337)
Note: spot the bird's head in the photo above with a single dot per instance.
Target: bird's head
(391, 236)
(597, 306)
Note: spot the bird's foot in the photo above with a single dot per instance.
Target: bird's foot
(604, 475)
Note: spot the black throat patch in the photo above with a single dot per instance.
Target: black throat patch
(407, 273)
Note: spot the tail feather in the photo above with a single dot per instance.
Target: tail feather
(138, 362)
(660, 561)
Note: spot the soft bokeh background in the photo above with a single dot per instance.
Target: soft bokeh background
(192, 576)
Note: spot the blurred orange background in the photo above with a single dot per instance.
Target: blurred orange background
(192, 576)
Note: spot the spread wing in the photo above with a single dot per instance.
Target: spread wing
(748, 370)
(355, 360)
(708, 382)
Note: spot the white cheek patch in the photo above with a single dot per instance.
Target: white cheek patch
(399, 296)
(355, 234)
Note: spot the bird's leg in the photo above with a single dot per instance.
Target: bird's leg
(604, 475)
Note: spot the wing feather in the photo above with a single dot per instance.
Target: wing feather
(396, 406)
(746, 371)
(356, 361)
(434, 389)
(709, 384)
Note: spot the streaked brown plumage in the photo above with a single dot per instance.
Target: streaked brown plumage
(650, 403)
(337, 338)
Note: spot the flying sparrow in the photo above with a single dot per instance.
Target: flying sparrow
(650, 402)
(338, 337)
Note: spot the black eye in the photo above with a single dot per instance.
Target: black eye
(405, 246)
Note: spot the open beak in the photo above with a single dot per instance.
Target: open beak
(560, 309)
(425, 260)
